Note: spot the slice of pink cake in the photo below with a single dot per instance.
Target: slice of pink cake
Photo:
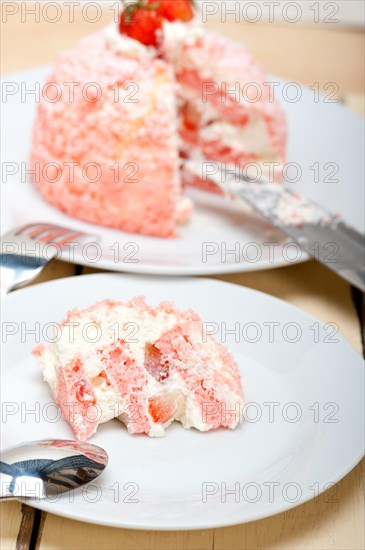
(147, 366)
(107, 148)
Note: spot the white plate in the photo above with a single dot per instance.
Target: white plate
(277, 462)
(322, 133)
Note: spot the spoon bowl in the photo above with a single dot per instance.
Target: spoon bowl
(51, 467)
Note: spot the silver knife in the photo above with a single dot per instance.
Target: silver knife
(322, 235)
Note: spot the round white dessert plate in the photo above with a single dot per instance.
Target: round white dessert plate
(221, 237)
(303, 422)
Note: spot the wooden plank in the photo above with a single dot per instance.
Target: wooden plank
(325, 522)
(25, 534)
(10, 522)
(61, 534)
(31, 50)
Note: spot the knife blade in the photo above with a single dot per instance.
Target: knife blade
(321, 234)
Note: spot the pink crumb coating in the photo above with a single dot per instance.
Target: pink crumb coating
(76, 399)
(129, 132)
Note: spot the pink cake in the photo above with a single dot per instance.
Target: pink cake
(137, 185)
(179, 106)
(146, 366)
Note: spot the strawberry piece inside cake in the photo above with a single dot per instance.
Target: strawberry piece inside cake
(146, 366)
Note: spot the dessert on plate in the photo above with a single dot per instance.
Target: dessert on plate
(134, 101)
(147, 366)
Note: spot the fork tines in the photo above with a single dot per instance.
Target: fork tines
(49, 233)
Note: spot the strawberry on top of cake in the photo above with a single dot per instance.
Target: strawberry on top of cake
(152, 91)
(148, 366)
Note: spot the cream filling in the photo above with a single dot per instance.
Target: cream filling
(250, 138)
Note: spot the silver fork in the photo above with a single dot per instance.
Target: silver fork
(26, 251)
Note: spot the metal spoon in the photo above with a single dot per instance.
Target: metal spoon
(45, 468)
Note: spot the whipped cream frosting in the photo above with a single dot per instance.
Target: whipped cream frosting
(182, 33)
(253, 137)
(175, 33)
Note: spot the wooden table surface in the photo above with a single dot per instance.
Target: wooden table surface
(306, 54)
